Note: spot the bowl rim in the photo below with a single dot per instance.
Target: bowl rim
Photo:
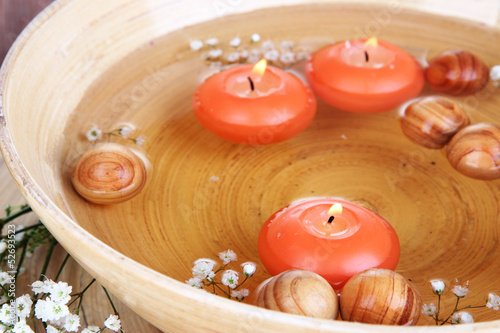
(60, 223)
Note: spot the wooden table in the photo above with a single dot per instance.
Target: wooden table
(14, 15)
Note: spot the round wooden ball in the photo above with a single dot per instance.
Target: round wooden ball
(457, 72)
(432, 121)
(298, 292)
(109, 173)
(475, 151)
(380, 296)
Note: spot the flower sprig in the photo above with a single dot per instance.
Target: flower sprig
(95, 133)
(204, 276)
(458, 315)
(283, 54)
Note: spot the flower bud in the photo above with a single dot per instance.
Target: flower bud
(437, 286)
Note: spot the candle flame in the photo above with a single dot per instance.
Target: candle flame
(373, 42)
(336, 209)
(260, 67)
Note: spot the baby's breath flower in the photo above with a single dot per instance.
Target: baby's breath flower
(23, 306)
(49, 310)
(125, 131)
(249, 268)
(37, 287)
(140, 140)
(113, 323)
(287, 57)
(461, 318)
(60, 293)
(94, 133)
(202, 267)
(235, 42)
(302, 55)
(195, 282)
(91, 329)
(255, 38)
(5, 278)
(21, 327)
(212, 41)
(7, 314)
(228, 256)
(233, 57)
(71, 323)
(244, 54)
(196, 45)
(495, 73)
(267, 46)
(240, 294)
(214, 54)
(3, 246)
(254, 56)
(230, 278)
(52, 329)
(287, 45)
(210, 277)
(429, 309)
(460, 291)
(437, 286)
(493, 301)
(272, 55)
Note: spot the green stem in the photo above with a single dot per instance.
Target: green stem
(453, 312)
(62, 266)
(225, 293)
(110, 301)
(21, 260)
(50, 250)
(246, 278)
(472, 307)
(80, 294)
(438, 309)
(25, 229)
(22, 211)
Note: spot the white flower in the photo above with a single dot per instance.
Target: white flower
(272, 55)
(255, 38)
(49, 310)
(429, 309)
(287, 45)
(5, 278)
(244, 54)
(267, 46)
(210, 277)
(248, 268)
(230, 278)
(21, 328)
(302, 55)
(228, 256)
(195, 282)
(202, 267)
(287, 57)
(91, 329)
(240, 294)
(38, 287)
(3, 246)
(94, 133)
(235, 42)
(7, 314)
(71, 323)
(437, 286)
(460, 291)
(60, 293)
(125, 131)
(52, 329)
(196, 45)
(233, 57)
(254, 56)
(493, 301)
(140, 140)
(212, 41)
(495, 73)
(23, 306)
(461, 318)
(214, 54)
(113, 323)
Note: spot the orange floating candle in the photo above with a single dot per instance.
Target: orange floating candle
(254, 105)
(333, 238)
(365, 76)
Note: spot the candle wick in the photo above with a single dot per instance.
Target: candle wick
(366, 56)
(330, 220)
(251, 83)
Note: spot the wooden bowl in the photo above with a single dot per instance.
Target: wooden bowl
(85, 62)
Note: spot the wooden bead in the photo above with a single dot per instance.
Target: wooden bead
(432, 121)
(298, 292)
(109, 173)
(457, 72)
(475, 151)
(380, 296)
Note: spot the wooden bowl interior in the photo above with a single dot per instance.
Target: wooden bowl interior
(447, 223)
